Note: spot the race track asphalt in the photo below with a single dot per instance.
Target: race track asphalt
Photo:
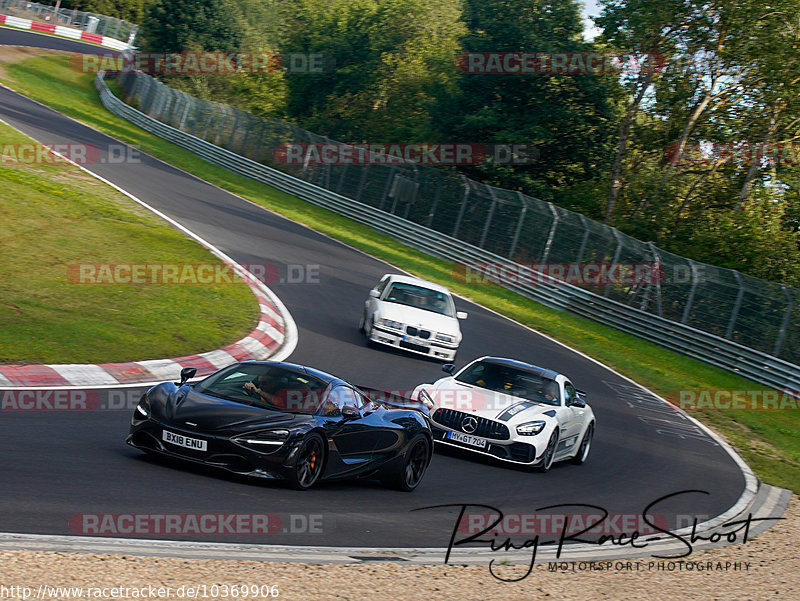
(59, 465)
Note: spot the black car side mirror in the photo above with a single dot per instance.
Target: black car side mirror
(187, 373)
(449, 368)
(350, 412)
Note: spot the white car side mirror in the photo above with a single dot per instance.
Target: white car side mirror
(374, 293)
(461, 315)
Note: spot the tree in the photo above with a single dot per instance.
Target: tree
(567, 118)
(182, 25)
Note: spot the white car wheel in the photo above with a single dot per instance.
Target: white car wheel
(549, 454)
(583, 449)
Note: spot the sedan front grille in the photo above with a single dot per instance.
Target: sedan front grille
(486, 428)
(412, 331)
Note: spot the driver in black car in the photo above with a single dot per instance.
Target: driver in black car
(260, 386)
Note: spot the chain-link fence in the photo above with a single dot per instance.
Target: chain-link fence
(758, 314)
(68, 17)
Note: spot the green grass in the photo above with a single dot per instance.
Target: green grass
(56, 217)
(769, 441)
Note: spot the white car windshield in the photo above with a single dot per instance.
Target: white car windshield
(421, 298)
(512, 381)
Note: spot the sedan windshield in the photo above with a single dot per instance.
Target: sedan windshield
(421, 298)
(269, 386)
(512, 381)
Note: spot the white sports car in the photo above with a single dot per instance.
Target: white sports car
(510, 410)
(412, 314)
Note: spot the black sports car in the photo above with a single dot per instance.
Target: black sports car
(285, 421)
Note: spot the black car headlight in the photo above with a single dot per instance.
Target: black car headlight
(264, 441)
(142, 412)
(531, 428)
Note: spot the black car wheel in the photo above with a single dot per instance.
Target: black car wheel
(407, 474)
(309, 462)
(548, 455)
(586, 443)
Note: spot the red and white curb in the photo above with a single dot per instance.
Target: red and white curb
(275, 337)
(63, 32)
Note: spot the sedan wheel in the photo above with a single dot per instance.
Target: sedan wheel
(309, 463)
(548, 455)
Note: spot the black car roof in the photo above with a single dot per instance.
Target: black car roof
(329, 378)
(535, 370)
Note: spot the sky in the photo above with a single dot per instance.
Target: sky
(590, 8)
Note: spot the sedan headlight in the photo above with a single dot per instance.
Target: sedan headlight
(392, 325)
(530, 428)
(445, 338)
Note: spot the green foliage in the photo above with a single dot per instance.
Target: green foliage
(392, 60)
(191, 25)
(569, 119)
(132, 11)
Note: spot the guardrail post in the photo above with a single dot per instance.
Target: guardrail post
(784, 322)
(520, 221)
(615, 260)
(340, 185)
(185, 114)
(485, 232)
(690, 301)
(551, 235)
(463, 207)
(387, 187)
(585, 240)
(736, 306)
(236, 119)
(362, 181)
(435, 205)
(657, 273)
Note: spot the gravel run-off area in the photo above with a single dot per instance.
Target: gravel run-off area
(766, 567)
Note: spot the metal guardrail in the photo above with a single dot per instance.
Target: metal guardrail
(111, 27)
(756, 365)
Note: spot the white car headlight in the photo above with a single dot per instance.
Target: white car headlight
(393, 325)
(530, 428)
(445, 338)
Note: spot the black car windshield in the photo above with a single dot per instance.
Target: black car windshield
(421, 298)
(512, 381)
(269, 386)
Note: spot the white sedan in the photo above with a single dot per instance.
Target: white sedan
(412, 314)
(510, 410)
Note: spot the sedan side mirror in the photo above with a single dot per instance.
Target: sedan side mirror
(449, 368)
(187, 373)
(374, 293)
(461, 314)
